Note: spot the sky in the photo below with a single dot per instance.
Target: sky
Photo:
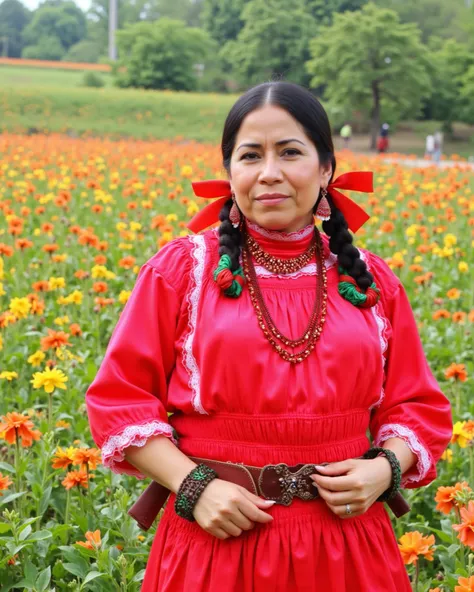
(31, 4)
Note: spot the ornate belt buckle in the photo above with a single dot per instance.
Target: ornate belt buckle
(279, 483)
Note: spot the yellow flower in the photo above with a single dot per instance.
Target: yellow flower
(49, 379)
(463, 266)
(186, 171)
(36, 358)
(171, 218)
(55, 283)
(447, 455)
(460, 435)
(124, 296)
(135, 226)
(20, 307)
(2, 274)
(8, 375)
(390, 203)
(412, 230)
(450, 240)
(2, 291)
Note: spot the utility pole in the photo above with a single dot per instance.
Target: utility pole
(112, 29)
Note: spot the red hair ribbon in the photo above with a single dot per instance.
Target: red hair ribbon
(354, 181)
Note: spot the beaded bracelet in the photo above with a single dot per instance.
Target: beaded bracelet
(396, 471)
(191, 488)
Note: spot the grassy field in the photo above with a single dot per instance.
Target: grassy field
(52, 100)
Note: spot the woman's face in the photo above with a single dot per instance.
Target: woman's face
(291, 169)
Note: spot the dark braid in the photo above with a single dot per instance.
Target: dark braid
(340, 243)
(230, 238)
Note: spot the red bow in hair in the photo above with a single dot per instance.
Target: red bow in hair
(355, 216)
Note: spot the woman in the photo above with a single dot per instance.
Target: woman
(266, 355)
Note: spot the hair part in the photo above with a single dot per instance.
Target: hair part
(303, 106)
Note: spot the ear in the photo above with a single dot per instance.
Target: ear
(326, 172)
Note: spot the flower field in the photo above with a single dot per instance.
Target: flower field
(78, 217)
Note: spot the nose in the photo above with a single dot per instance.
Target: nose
(271, 171)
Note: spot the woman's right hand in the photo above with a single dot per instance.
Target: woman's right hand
(225, 509)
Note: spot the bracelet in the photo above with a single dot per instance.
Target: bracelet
(396, 471)
(191, 488)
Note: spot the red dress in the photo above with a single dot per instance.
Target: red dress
(180, 346)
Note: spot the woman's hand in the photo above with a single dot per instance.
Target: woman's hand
(225, 509)
(358, 482)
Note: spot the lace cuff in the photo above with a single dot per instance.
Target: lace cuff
(113, 455)
(394, 430)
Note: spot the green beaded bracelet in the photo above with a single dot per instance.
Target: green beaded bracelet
(190, 490)
(396, 471)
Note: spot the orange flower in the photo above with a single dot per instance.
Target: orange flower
(445, 496)
(413, 544)
(437, 589)
(456, 371)
(100, 287)
(441, 314)
(54, 340)
(63, 458)
(4, 483)
(466, 585)
(459, 317)
(466, 528)
(87, 456)
(93, 540)
(75, 478)
(75, 329)
(18, 424)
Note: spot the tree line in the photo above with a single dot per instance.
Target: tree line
(391, 59)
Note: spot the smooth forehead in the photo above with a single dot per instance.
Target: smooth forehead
(269, 124)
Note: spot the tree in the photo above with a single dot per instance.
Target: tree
(447, 103)
(368, 60)
(86, 51)
(161, 55)
(222, 19)
(56, 21)
(323, 10)
(270, 44)
(13, 19)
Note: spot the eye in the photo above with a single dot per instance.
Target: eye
(294, 150)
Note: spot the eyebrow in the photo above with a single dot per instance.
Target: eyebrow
(280, 143)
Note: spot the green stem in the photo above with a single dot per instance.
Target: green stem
(471, 465)
(17, 468)
(68, 503)
(50, 413)
(417, 573)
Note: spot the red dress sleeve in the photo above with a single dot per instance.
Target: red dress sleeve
(413, 407)
(127, 401)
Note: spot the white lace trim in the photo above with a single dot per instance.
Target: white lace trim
(395, 430)
(132, 435)
(189, 361)
(282, 236)
(310, 269)
(381, 322)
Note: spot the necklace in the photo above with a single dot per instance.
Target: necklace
(318, 316)
(276, 265)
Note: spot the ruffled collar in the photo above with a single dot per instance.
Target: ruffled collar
(281, 244)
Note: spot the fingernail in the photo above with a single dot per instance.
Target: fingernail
(270, 502)
(319, 467)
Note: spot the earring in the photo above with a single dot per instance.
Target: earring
(234, 214)
(323, 211)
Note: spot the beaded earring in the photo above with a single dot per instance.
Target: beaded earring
(234, 215)
(323, 211)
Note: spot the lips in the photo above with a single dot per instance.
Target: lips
(271, 198)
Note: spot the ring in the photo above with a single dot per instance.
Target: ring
(348, 509)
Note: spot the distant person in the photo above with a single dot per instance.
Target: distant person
(382, 143)
(438, 146)
(429, 147)
(346, 134)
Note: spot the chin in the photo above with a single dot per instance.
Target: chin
(275, 221)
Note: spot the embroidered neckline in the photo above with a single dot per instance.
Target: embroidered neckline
(282, 236)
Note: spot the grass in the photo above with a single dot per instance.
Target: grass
(51, 100)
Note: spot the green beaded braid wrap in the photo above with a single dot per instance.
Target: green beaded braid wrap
(222, 274)
(190, 490)
(396, 471)
(348, 289)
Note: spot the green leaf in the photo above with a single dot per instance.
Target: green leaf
(45, 500)
(92, 576)
(79, 568)
(25, 533)
(9, 498)
(4, 527)
(40, 535)
(31, 571)
(43, 579)
(4, 466)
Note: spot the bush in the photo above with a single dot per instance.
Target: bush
(93, 80)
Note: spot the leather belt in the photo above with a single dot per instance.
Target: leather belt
(281, 483)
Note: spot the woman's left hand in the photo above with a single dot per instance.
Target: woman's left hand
(357, 482)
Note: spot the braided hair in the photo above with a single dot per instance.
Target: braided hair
(301, 104)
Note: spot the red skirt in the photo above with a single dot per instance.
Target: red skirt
(307, 548)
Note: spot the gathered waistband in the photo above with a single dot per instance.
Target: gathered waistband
(264, 439)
